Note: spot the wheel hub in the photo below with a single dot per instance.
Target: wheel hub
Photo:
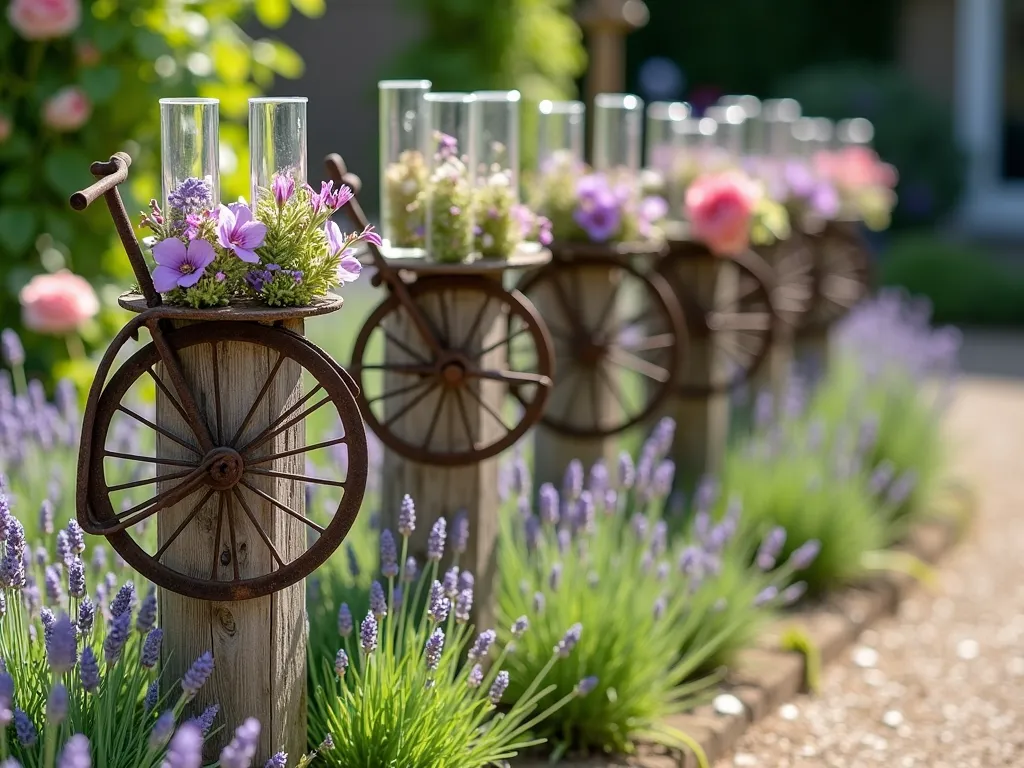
(453, 374)
(226, 468)
(591, 351)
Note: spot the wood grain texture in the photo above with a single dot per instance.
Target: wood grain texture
(259, 646)
(580, 396)
(450, 420)
(773, 375)
(702, 423)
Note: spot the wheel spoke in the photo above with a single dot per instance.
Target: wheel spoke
(405, 370)
(506, 340)
(410, 405)
(628, 360)
(150, 459)
(182, 525)
(161, 501)
(614, 388)
(259, 399)
(396, 392)
(294, 452)
(442, 306)
(569, 309)
(297, 478)
(511, 377)
(258, 527)
(740, 321)
(167, 393)
(489, 408)
(273, 425)
(150, 480)
(434, 419)
(166, 433)
(283, 507)
(609, 304)
(231, 535)
(217, 535)
(475, 325)
(465, 419)
(262, 440)
(735, 350)
(658, 341)
(595, 412)
(216, 390)
(402, 346)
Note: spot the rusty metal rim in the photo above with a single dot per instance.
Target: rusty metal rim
(659, 294)
(821, 314)
(313, 361)
(517, 304)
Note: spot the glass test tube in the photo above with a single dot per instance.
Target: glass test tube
(403, 163)
(189, 149)
(277, 141)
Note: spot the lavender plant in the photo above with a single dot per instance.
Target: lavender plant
(661, 614)
(285, 251)
(412, 685)
(596, 207)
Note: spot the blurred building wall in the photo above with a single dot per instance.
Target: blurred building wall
(927, 44)
(346, 52)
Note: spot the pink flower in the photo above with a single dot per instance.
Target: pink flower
(58, 303)
(67, 110)
(44, 19)
(855, 167)
(237, 231)
(6, 128)
(180, 266)
(719, 207)
(283, 187)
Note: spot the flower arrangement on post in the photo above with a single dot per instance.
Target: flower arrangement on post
(865, 184)
(661, 611)
(729, 210)
(284, 250)
(413, 667)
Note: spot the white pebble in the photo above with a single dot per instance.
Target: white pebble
(744, 759)
(865, 657)
(893, 718)
(967, 649)
(727, 704)
(789, 712)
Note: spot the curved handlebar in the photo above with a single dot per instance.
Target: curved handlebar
(340, 173)
(110, 174)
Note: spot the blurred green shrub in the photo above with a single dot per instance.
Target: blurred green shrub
(532, 45)
(110, 60)
(913, 131)
(964, 284)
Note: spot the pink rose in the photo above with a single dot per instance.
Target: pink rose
(719, 207)
(856, 167)
(44, 19)
(67, 110)
(58, 304)
(6, 128)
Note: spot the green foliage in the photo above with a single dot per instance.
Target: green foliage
(913, 131)
(401, 691)
(964, 283)
(123, 58)
(532, 45)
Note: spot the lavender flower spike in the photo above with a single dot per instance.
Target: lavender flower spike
(368, 634)
(463, 605)
(805, 554)
(435, 543)
(151, 649)
(62, 646)
(345, 622)
(152, 696)
(388, 555)
(117, 636)
(519, 626)
(197, 675)
(75, 753)
(240, 752)
(460, 532)
(89, 670)
(770, 548)
(76, 578)
(498, 687)
(407, 516)
(585, 686)
(569, 640)
(57, 705)
(76, 537)
(124, 601)
(162, 730)
(548, 504)
(476, 676)
(378, 603)
(279, 760)
(572, 483)
(24, 729)
(434, 648)
(186, 748)
(483, 644)
(147, 612)
(341, 663)
(766, 595)
(205, 720)
(12, 352)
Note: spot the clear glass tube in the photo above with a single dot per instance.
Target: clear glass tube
(667, 148)
(804, 133)
(560, 130)
(449, 216)
(618, 125)
(824, 133)
(403, 165)
(755, 134)
(190, 148)
(779, 115)
(495, 125)
(731, 130)
(856, 131)
(277, 141)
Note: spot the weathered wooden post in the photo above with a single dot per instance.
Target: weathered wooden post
(229, 454)
(616, 327)
(439, 358)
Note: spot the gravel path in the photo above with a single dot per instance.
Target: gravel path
(942, 684)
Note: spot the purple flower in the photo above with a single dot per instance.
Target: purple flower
(24, 729)
(341, 663)
(279, 760)
(75, 753)
(76, 578)
(378, 603)
(62, 646)
(117, 636)
(447, 146)
(368, 634)
(149, 701)
(463, 605)
(238, 232)
(345, 622)
(388, 555)
(349, 269)
(585, 686)
(186, 748)
(283, 187)
(57, 705)
(476, 676)
(147, 612)
(436, 540)
(205, 720)
(460, 532)
(805, 554)
(412, 570)
(51, 578)
(11, 350)
(466, 580)
(555, 577)
(353, 561)
(538, 602)
(46, 517)
(599, 215)
(407, 516)
(766, 595)
(151, 649)
(86, 615)
(793, 592)
(569, 640)
(482, 646)
(627, 471)
(572, 483)
(519, 626)
(162, 730)
(434, 648)
(180, 266)
(124, 601)
(191, 196)
(197, 675)
(498, 687)
(549, 504)
(770, 548)
(242, 749)
(330, 198)
(439, 604)
(89, 670)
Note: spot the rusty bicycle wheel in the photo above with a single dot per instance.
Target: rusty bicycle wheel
(419, 402)
(792, 263)
(842, 273)
(616, 354)
(244, 489)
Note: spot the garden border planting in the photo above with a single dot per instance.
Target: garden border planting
(767, 676)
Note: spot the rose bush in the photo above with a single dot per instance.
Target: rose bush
(80, 80)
